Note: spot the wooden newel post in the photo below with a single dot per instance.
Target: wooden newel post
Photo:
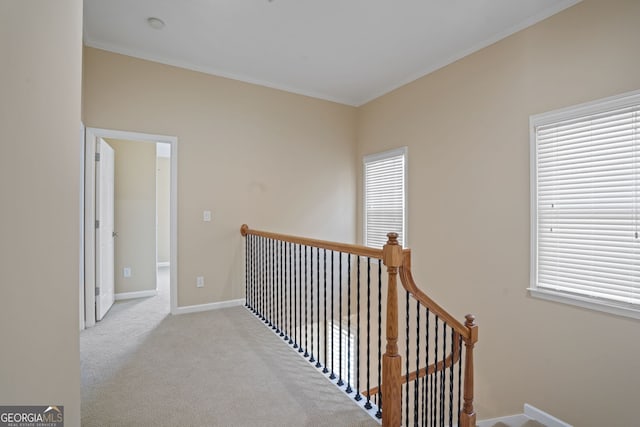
(468, 416)
(391, 360)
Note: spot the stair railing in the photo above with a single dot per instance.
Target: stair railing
(289, 281)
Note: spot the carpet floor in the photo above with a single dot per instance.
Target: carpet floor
(143, 367)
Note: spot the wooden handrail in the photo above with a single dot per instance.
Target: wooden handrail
(451, 359)
(406, 278)
(323, 244)
(398, 263)
(468, 331)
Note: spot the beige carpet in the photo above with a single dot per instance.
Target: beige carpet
(143, 367)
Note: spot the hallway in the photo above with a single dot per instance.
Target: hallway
(141, 366)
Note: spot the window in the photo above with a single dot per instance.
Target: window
(585, 204)
(384, 196)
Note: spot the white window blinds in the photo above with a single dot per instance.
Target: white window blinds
(587, 201)
(384, 197)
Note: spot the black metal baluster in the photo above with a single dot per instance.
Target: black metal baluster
(325, 370)
(311, 359)
(256, 272)
(358, 397)
(451, 379)
(416, 388)
(349, 389)
(333, 372)
(435, 376)
(291, 298)
(340, 380)
(270, 289)
(426, 378)
(276, 295)
(460, 359)
(252, 257)
(306, 323)
(280, 328)
(279, 287)
(299, 279)
(283, 292)
(246, 271)
(318, 305)
(274, 285)
(261, 269)
(285, 318)
(295, 297)
(269, 293)
(379, 402)
(443, 377)
(367, 405)
(406, 358)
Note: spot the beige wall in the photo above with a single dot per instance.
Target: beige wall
(163, 194)
(466, 127)
(249, 154)
(135, 215)
(40, 75)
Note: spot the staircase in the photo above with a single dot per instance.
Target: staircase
(377, 336)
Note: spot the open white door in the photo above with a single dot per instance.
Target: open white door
(105, 232)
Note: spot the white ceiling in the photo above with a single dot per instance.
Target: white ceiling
(348, 51)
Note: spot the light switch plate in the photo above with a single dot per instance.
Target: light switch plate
(206, 216)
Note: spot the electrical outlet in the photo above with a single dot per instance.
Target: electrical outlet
(126, 272)
(200, 281)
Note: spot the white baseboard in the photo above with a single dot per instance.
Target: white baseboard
(543, 418)
(530, 412)
(163, 264)
(210, 306)
(138, 294)
(509, 420)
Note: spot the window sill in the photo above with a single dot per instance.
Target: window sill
(585, 302)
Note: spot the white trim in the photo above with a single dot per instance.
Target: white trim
(210, 306)
(89, 214)
(352, 101)
(509, 420)
(216, 72)
(81, 301)
(530, 413)
(89, 229)
(164, 264)
(543, 418)
(138, 294)
(585, 302)
(609, 103)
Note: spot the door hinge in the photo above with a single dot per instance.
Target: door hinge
(97, 157)
(97, 291)
(97, 223)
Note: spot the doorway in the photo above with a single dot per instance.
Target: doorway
(136, 272)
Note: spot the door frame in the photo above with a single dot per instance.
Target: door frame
(90, 213)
